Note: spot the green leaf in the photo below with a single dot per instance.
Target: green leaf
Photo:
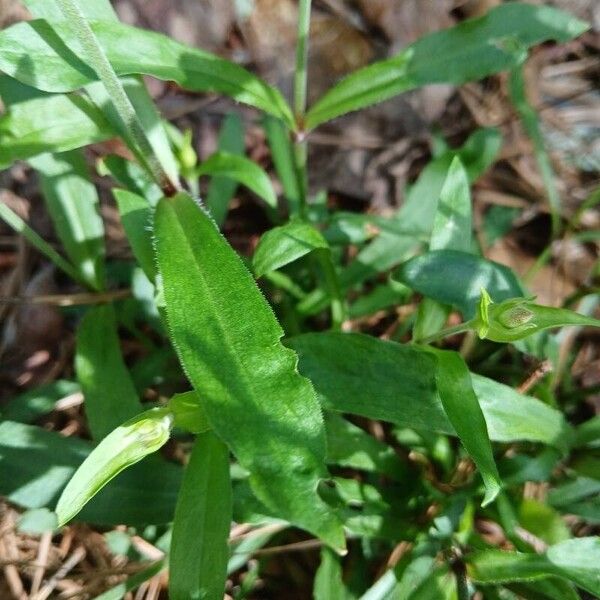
(30, 405)
(36, 122)
(467, 52)
(222, 189)
(14, 221)
(243, 170)
(118, 592)
(518, 318)
(121, 448)
(109, 394)
(136, 218)
(328, 583)
(285, 244)
(33, 52)
(543, 521)
(49, 9)
(457, 278)
(199, 551)
(36, 464)
(282, 154)
(73, 204)
(252, 393)
(131, 176)
(400, 387)
(576, 560)
(462, 408)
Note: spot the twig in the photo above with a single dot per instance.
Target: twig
(68, 299)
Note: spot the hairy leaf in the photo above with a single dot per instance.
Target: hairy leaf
(228, 341)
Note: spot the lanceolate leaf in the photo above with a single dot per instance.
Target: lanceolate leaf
(463, 411)
(228, 341)
(467, 52)
(576, 560)
(109, 394)
(242, 170)
(73, 204)
(400, 387)
(36, 122)
(33, 53)
(36, 464)
(457, 278)
(121, 448)
(283, 245)
(199, 551)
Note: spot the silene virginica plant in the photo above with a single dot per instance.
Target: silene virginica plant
(273, 418)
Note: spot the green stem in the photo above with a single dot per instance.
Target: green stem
(460, 328)
(300, 85)
(338, 306)
(462, 587)
(99, 62)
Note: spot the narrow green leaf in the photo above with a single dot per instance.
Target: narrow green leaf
(462, 408)
(285, 244)
(131, 176)
(33, 52)
(109, 394)
(531, 124)
(243, 170)
(467, 52)
(222, 189)
(36, 122)
(136, 218)
(121, 448)
(328, 583)
(199, 551)
(400, 387)
(576, 560)
(456, 278)
(188, 412)
(73, 204)
(13, 220)
(253, 395)
(35, 465)
(282, 154)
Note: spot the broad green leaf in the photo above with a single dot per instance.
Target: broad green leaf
(14, 221)
(285, 244)
(576, 560)
(282, 154)
(531, 124)
(457, 278)
(73, 204)
(462, 408)
(228, 341)
(467, 52)
(35, 465)
(517, 318)
(109, 394)
(33, 52)
(118, 592)
(121, 448)
(222, 188)
(188, 412)
(199, 551)
(30, 405)
(328, 583)
(242, 170)
(400, 387)
(136, 218)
